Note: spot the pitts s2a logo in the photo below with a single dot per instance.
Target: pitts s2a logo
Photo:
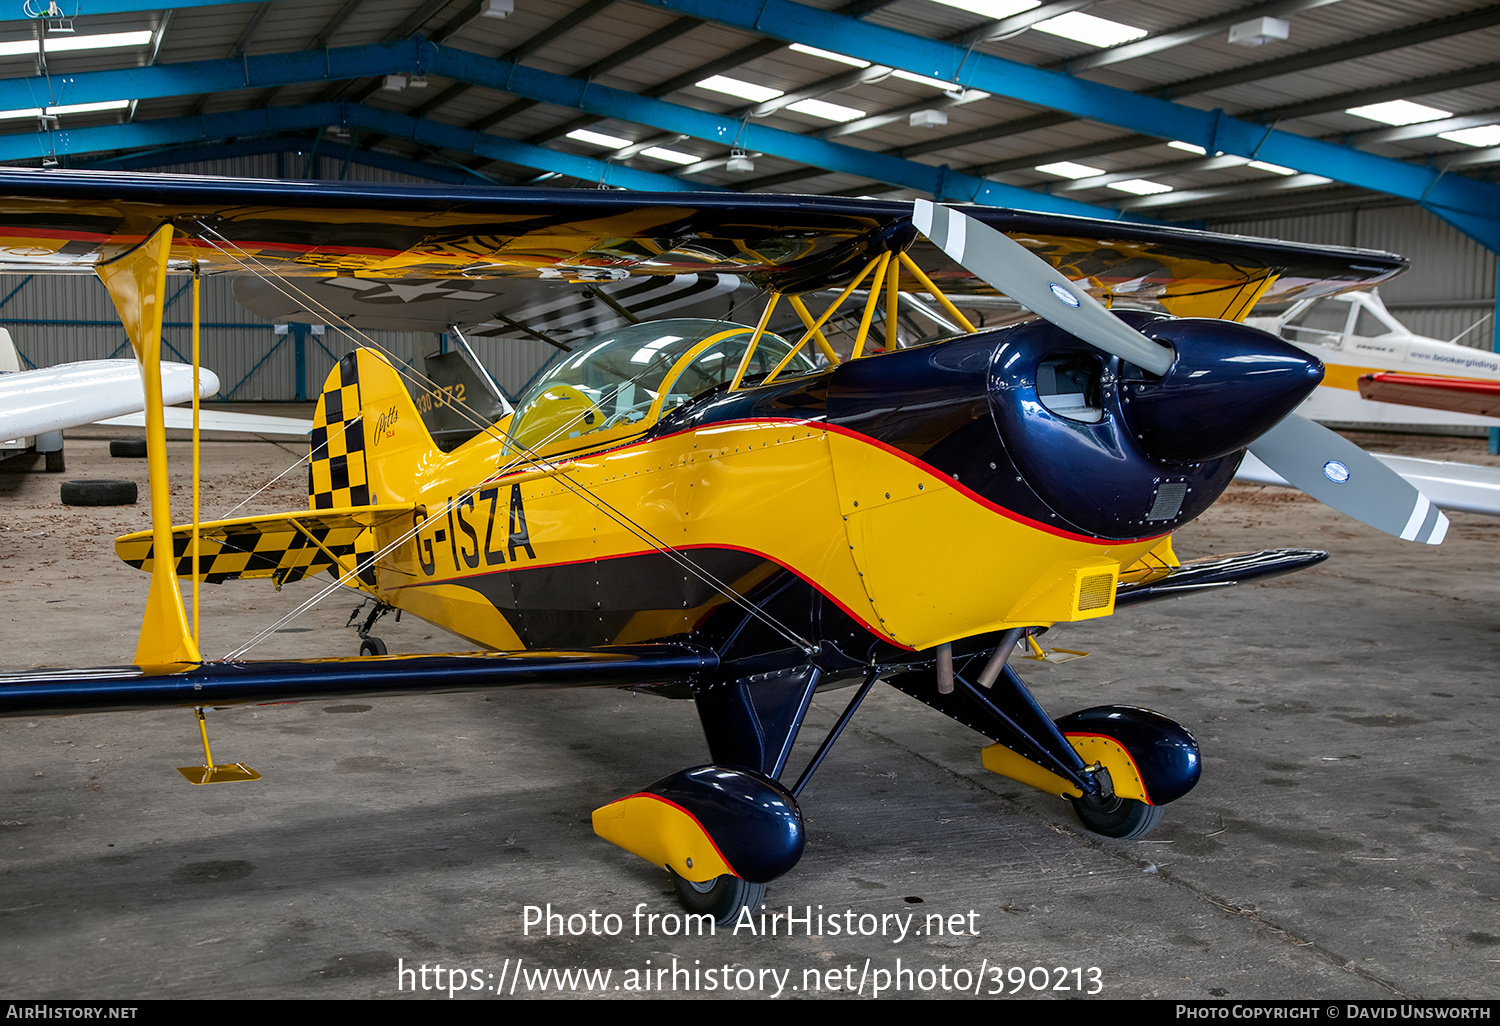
(461, 534)
(385, 425)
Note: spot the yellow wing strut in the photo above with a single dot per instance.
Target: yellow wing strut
(137, 283)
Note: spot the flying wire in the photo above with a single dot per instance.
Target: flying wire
(525, 455)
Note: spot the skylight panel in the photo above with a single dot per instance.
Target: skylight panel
(1068, 169)
(829, 55)
(1484, 135)
(1086, 28)
(67, 108)
(97, 41)
(62, 44)
(996, 9)
(1178, 144)
(825, 110)
(1275, 169)
(736, 87)
(1398, 112)
(936, 83)
(614, 142)
(1140, 187)
(671, 156)
(86, 108)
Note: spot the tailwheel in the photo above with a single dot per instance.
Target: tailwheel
(1125, 818)
(371, 646)
(722, 897)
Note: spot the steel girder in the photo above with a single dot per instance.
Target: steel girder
(421, 57)
(78, 8)
(1467, 204)
(205, 128)
(193, 152)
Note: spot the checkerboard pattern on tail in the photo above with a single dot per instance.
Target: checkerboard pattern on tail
(337, 476)
(284, 547)
(273, 547)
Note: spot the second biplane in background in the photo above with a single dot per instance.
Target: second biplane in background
(705, 509)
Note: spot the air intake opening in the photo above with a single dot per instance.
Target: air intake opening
(1069, 387)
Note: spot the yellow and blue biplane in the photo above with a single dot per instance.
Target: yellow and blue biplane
(721, 512)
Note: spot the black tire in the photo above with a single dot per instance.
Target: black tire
(55, 464)
(134, 448)
(98, 493)
(1124, 818)
(721, 897)
(372, 646)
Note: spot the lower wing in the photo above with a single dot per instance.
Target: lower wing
(42, 692)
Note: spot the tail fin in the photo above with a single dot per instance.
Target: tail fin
(337, 476)
(368, 440)
(366, 410)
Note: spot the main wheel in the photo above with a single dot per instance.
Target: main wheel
(1117, 817)
(371, 646)
(721, 897)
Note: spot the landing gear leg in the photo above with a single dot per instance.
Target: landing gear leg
(726, 829)
(369, 645)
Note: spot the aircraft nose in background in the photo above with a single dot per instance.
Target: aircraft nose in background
(1228, 385)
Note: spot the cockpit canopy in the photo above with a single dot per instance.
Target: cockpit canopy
(621, 382)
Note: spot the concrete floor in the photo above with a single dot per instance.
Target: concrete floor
(1342, 843)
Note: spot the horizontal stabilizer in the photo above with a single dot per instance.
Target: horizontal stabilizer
(202, 684)
(285, 547)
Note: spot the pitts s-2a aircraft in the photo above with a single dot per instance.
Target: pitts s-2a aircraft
(707, 510)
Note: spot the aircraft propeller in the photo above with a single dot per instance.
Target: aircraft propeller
(1323, 464)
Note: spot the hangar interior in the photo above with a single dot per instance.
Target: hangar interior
(1342, 842)
(680, 95)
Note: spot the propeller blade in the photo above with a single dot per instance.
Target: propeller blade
(1036, 285)
(1340, 474)
(1326, 466)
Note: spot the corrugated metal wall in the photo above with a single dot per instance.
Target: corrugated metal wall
(1450, 287)
(62, 318)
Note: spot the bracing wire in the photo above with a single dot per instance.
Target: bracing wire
(525, 455)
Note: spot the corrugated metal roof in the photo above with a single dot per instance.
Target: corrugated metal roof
(637, 48)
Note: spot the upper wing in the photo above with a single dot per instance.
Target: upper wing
(1457, 395)
(495, 307)
(61, 220)
(71, 394)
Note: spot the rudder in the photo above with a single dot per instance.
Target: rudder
(337, 474)
(369, 443)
